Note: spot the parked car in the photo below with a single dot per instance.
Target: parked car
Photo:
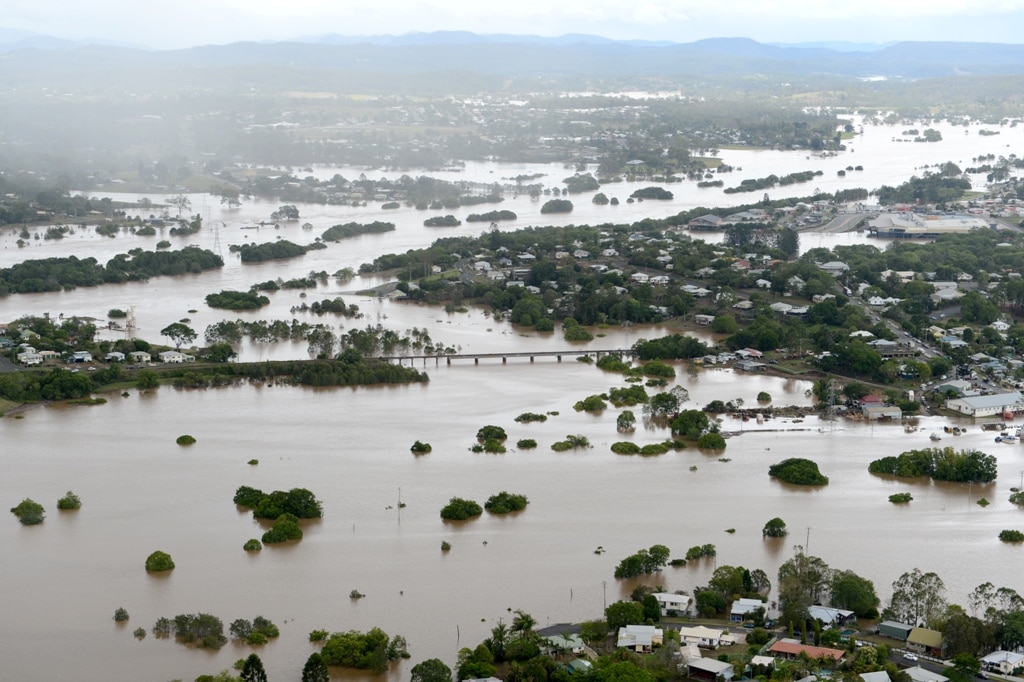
(910, 657)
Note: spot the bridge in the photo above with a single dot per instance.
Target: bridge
(532, 355)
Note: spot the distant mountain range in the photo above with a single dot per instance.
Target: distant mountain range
(24, 56)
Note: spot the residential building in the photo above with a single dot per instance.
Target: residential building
(673, 604)
(925, 641)
(708, 638)
(640, 638)
(743, 607)
(891, 628)
(1005, 662)
(709, 669)
(792, 649)
(987, 405)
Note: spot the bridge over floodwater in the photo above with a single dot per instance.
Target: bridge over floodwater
(504, 357)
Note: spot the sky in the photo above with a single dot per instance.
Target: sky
(186, 23)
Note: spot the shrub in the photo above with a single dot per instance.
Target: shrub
(116, 312)
(69, 501)
(526, 443)
(653, 449)
(545, 324)
(140, 633)
(657, 368)
(578, 333)
(201, 629)
(643, 562)
(254, 462)
(459, 509)
(445, 546)
(592, 403)
(1017, 498)
(625, 447)
(571, 442)
(185, 440)
(318, 635)
(299, 502)
(29, 512)
(612, 363)
(774, 528)
(711, 441)
(493, 445)
(699, 551)
(1011, 536)
(676, 563)
(120, 614)
(420, 448)
(526, 417)
(900, 498)
(505, 502)
(159, 561)
(764, 397)
(798, 471)
(285, 528)
(491, 431)
(252, 545)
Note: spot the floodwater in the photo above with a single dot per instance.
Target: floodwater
(142, 492)
(161, 301)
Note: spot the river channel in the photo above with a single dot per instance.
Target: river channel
(142, 492)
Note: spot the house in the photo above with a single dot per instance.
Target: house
(919, 674)
(872, 413)
(581, 254)
(743, 305)
(702, 636)
(762, 661)
(640, 638)
(709, 669)
(925, 641)
(763, 284)
(659, 280)
(140, 356)
(750, 366)
(742, 607)
(30, 359)
(830, 616)
(1005, 662)
(861, 334)
(705, 222)
(781, 307)
(673, 604)
(879, 676)
(80, 356)
(579, 666)
(987, 405)
(704, 320)
(565, 642)
(174, 357)
(791, 649)
(958, 387)
(834, 267)
(49, 355)
(115, 356)
(639, 277)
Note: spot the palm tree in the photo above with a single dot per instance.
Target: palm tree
(523, 623)
(498, 640)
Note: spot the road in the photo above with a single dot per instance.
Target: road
(844, 222)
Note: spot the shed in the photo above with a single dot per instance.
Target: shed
(709, 669)
(891, 628)
(925, 641)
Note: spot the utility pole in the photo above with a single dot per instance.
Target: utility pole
(807, 544)
(604, 587)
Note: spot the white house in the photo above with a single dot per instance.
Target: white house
(741, 607)
(81, 356)
(1003, 661)
(659, 280)
(670, 602)
(640, 277)
(987, 405)
(140, 356)
(831, 616)
(704, 320)
(115, 356)
(702, 636)
(30, 359)
(640, 638)
(175, 357)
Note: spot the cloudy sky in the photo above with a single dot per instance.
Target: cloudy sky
(184, 23)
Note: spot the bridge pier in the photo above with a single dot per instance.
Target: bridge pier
(531, 359)
(449, 360)
(476, 361)
(504, 361)
(559, 357)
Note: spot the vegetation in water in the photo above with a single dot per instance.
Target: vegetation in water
(505, 502)
(252, 545)
(1011, 536)
(285, 529)
(69, 501)
(643, 562)
(372, 650)
(900, 498)
(120, 614)
(159, 561)
(459, 509)
(185, 439)
(420, 448)
(941, 464)
(775, 528)
(299, 502)
(798, 471)
(29, 512)
(526, 443)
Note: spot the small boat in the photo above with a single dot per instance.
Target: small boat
(935, 436)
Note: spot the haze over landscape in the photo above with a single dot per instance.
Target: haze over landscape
(197, 22)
